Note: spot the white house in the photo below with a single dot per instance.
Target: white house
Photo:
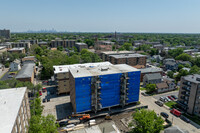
(15, 65)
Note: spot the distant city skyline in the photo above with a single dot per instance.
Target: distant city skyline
(143, 16)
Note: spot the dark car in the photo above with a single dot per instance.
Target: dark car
(144, 94)
(159, 103)
(63, 123)
(165, 115)
(185, 119)
(43, 100)
(175, 97)
(48, 99)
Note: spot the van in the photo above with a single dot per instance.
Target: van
(175, 112)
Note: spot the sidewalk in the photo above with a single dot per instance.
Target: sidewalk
(3, 72)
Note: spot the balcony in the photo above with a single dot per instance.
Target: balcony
(186, 88)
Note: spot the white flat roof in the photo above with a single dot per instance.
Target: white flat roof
(65, 68)
(10, 103)
(14, 49)
(101, 70)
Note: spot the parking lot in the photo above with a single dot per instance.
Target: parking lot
(59, 106)
(157, 97)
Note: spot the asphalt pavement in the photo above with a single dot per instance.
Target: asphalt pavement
(150, 101)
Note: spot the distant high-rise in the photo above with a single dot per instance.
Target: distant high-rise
(5, 33)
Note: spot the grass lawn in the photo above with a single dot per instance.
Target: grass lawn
(141, 88)
(170, 104)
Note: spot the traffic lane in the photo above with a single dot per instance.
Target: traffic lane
(157, 97)
(150, 101)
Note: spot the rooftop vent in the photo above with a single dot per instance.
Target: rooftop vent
(198, 79)
(104, 68)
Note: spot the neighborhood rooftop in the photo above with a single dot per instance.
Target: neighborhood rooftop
(151, 69)
(153, 76)
(10, 102)
(26, 71)
(14, 49)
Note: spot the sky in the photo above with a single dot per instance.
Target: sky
(151, 16)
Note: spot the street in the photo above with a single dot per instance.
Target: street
(150, 101)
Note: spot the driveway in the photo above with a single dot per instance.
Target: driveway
(150, 101)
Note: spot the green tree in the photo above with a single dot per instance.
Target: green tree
(36, 107)
(150, 88)
(180, 74)
(146, 121)
(180, 67)
(194, 70)
(127, 46)
(175, 52)
(170, 74)
(153, 51)
(184, 57)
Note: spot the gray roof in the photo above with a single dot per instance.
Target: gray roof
(175, 129)
(151, 70)
(170, 63)
(195, 78)
(153, 76)
(127, 55)
(26, 71)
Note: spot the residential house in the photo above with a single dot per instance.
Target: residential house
(184, 63)
(170, 82)
(162, 87)
(157, 58)
(15, 65)
(170, 64)
(150, 70)
(153, 78)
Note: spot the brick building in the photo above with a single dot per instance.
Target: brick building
(17, 50)
(63, 43)
(5, 33)
(130, 59)
(81, 46)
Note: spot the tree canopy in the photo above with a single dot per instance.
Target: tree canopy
(146, 121)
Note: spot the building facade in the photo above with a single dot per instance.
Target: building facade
(61, 75)
(129, 59)
(26, 45)
(3, 49)
(5, 33)
(189, 94)
(17, 50)
(95, 88)
(15, 110)
(152, 78)
(63, 43)
(81, 46)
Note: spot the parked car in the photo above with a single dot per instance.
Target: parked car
(63, 123)
(44, 89)
(163, 99)
(185, 119)
(159, 103)
(175, 112)
(10, 76)
(43, 100)
(167, 99)
(144, 94)
(171, 98)
(48, 99)
(175, 97)
(40, 93)
(165, 115)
